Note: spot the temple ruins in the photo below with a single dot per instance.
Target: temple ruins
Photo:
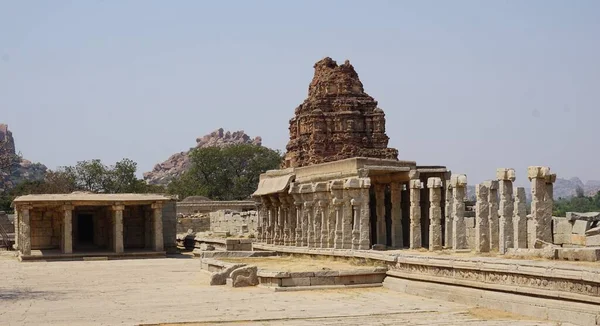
(342, 187)
(86, 224)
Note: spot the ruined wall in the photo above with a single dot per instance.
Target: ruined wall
(45, 229)
(134, 232)
(234, 222)
(199, 223)
(169, 226)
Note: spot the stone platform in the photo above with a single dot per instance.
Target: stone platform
(537, 284)
(56, 255)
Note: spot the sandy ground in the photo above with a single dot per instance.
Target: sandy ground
(296, 264)
(175, 290)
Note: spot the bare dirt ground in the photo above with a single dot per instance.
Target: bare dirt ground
(154, 291)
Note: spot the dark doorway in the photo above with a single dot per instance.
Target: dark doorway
(85, 228)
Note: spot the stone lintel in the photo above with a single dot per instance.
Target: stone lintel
(118, 207)
(506, 174)
(434, 182)
(534, 172)
(458, 180)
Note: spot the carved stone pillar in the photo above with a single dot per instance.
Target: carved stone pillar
(396, 194)
(337, 191)
(67, 229)
(482, 211)
(331, 225)
(290, 221)
(347, 221)
(459, 237)
(493, 214)
(308, 237)
(298, 226)
(117, 224)
(415, 214)
(356, 203)
(380, 209)
(321, 218)
(259, 222)
(520, 219)
(25, 229)
(284, 225)
(365, 216)
(157, 226)
(541, 226)
(448, 216)
(435, 213)
(506, 177)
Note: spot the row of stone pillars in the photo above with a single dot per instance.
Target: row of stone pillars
(318, 215)
(503, 225)
(66, 243)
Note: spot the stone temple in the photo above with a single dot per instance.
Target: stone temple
(341, 186)
(338, 120)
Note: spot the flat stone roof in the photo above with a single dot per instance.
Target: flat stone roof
(83, 197)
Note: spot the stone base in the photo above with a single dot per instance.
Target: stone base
(539, 308)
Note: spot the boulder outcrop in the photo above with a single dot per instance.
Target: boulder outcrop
(178, 163)
(14, 169)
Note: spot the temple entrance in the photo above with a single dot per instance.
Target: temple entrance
(85, 229)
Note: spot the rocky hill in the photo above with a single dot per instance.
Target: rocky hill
(178, 163)
(19, 170)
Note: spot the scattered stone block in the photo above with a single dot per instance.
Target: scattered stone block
(589, 216)
(593, 231)
(580, 226)
(220, 278)
(578, 254)
(592, 240)
(244, 276)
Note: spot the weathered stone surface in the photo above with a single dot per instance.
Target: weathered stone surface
(435, 213)
(590, 216)
(220, 278)
(179, 162)
(482, 239)
(338, 120)
(415, 214)
(244, 276)
(459, 236)
(506, 210)
(593, 231)
(581, 226)
(22, 169)
(520, 219)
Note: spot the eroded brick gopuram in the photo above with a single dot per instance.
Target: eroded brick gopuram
(338, 120)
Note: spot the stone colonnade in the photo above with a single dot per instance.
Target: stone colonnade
(331, 214)
(499, 227)
(23, 230)
(337, 214)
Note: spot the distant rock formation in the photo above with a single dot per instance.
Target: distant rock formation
(178, 163)
(338, 120)
(21, 169)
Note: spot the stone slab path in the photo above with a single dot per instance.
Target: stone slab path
(175, 290)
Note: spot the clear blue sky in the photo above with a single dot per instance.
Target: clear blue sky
(473, 85)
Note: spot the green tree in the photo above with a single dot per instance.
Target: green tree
(227, 173)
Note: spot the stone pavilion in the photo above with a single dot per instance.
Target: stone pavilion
(83, 224)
